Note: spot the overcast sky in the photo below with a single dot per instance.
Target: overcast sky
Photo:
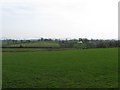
(23, 19)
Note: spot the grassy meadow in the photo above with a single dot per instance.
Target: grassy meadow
(68, 68)
(32, 44)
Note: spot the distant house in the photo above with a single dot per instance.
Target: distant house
(80, 42)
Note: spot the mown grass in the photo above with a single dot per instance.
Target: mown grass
(89, 68)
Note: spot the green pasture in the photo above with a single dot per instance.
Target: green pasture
(34, 44)
(70, 68)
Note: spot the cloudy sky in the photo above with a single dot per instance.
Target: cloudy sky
(24, 19)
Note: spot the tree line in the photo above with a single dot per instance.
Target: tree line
(72, 43)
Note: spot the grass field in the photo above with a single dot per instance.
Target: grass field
(88, 68)
(34, 44)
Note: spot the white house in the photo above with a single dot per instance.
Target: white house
(80, 42)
